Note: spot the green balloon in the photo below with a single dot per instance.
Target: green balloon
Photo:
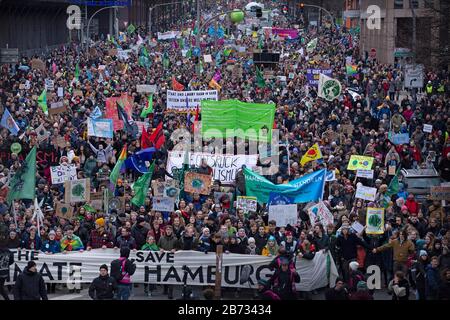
(237, 16)
(16, 148)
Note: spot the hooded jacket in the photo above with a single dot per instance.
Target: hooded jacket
(103, 288)
(30, 286)
(168, 242)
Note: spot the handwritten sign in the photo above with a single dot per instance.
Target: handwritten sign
(63, 173)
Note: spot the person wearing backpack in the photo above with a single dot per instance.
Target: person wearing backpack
(355, 276)
(122, 269)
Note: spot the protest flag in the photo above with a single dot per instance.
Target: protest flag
(116, 170)
(393, 188)
(313, 153)
(140, 187)
(214, 85)
(260, 82)
(157, 138)
(145, 140)
(9, 123)
(77, 71)
(137, 162)
(129, 125)
(22, 185)
(149, 109)
(42, 101)
(176, 85)
(131, 29)
(311, 46)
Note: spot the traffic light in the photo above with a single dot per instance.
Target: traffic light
(302, 8)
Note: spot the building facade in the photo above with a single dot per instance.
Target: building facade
(392, 38)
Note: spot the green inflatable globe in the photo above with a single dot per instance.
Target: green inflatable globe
(237, 16)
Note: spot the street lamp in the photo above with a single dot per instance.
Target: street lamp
(90, 20)
(150, 11)
(302, 6)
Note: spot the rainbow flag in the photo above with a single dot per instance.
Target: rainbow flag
(116, 171)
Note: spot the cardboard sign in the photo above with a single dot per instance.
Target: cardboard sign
(38, 64)
(196, 182)
(375, 221)
(440, 193)
(366, 193)
(77, 190)
(283, 214)
(163, 204)
(42, 133)
(57, 107)
(159, 187)
(319, 213)
(248, 204)
(64, 210)
(63, 173)
(96, 200)
(368, 174)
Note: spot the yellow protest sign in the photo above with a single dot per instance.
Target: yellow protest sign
(360, 162)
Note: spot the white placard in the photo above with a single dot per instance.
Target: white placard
(176, 100)
(414, 76)
(49, 84)
(224, 166)
(163, 204)
(146, 88)
(168, 35)
(358, 227)
(283, 214)
(60, 91)
(368, 174)
(366, 193)
(63, 173)
(428, 128)
(319, 213)
(207, 58)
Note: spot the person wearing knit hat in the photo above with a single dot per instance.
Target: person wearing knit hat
(100, 238)
(104, 287)
(30, 284)
(52, 245)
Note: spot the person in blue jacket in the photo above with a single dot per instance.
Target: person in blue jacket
(433, 280)
(51, 245)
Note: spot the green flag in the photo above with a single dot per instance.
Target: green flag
(260, 43)
(393, 188)
(22, 185)
(149, 108)
(260, 82)
(189, 54)
(233, 118)
(166, 61)
(311, 46)
(89, 208)
(140, 187)
(131, 29)
(145, 52)
(77, 71)
(116, 170)
(42, 101)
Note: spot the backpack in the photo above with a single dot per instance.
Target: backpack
(117, 270)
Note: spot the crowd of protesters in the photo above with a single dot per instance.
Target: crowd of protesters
(413, 252)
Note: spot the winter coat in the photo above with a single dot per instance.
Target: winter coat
(432, 282)
(399, 291)
(347, 246)
(27, 244)
(126, 242)
(139, 234)
(168, 242)
(30, 286)
(103, 288)
(51, 246)
(401, 250)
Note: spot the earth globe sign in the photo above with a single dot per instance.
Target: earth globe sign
(331, 89)
(16, 148)
(237, 16)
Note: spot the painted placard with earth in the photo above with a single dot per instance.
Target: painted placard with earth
(360, 163)
(77, 190)
(375, 221)
(16, 148)
(197, 182)
(329, 88)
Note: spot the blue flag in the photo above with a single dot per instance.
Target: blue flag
(89, 74)
(211, 31)
(137, 161)
(9, 123)
(97, 113)
(220, 32)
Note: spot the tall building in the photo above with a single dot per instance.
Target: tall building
(392, 39)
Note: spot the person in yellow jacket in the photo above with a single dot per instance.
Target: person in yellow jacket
(402, 247)
(271, 248)
(429, 88)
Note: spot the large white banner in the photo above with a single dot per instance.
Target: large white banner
(224, 166)
(167, 267)
(63, 173)
(183, 101)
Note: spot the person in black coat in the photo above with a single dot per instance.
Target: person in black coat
(339, 292)
(104, 287)
(30, 285)
(346, 243)
(6, 260)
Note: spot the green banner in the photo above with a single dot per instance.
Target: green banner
(233, 118)
(22, 184)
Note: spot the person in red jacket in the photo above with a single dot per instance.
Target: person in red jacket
(412, 204)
